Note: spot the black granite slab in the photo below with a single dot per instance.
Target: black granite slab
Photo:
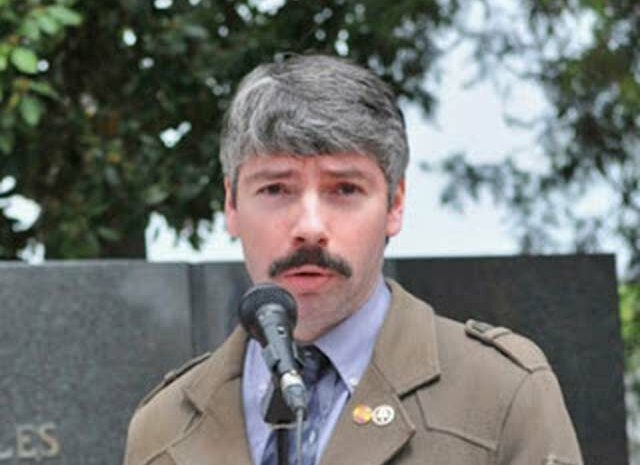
(79, 344)
(216, 292)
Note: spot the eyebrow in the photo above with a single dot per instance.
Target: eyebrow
(274, 174)
(269, 175)
(346, 173)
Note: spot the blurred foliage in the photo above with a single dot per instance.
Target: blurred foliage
(583, 175)
(586, 177)
(111, 110)
(630, 319)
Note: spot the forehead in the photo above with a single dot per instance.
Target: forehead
(333, 165)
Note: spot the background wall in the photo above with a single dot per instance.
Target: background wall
(81, 342)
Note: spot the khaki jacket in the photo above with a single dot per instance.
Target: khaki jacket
(462, 395)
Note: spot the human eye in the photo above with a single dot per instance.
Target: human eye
(272, 190)
(348, 189)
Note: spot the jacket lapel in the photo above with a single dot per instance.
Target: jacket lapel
(405, 358)
(369, 444)
(218, 435)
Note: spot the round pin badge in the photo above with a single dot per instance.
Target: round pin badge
(383, 415)
(362, 414)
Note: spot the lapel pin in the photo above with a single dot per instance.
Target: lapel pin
(362, 414)
(383, 415)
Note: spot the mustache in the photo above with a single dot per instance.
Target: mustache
(311, 256)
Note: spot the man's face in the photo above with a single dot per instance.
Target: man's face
(317, 227)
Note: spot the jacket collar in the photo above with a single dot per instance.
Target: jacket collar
(218, 433)
(405, 366)
(409, 365)
(396, 369)
(224, 366)
(405, 358)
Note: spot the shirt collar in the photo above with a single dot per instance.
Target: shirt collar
(349, 345)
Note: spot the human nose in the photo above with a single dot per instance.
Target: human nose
(310, 226)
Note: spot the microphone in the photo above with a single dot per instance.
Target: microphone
(269, 313)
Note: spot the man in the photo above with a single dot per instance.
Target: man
(314, 151)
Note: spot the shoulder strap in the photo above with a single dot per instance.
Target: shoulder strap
(518, 349)
(172, 375)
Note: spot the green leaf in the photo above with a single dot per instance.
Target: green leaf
(111, 176)
(48, 24)
(25, 60)
(31, 110)
(108, 234)
(6, 143)
(155, 195)
(43, 88)
(7, 120)
(64, 15)
(5, 51)
(30, 29)
(195, 31)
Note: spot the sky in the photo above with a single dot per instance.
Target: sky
(467, 119)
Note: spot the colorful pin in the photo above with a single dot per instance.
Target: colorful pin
(362, 414)
(383, 415)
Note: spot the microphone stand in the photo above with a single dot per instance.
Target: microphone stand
(283, 446)
(279, 415)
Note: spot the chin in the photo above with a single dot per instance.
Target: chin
(305, 335)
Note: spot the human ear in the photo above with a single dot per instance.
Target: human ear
(396, 210)
(230, 211)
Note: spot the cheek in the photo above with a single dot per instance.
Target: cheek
(255, 259)
(263, 241)
(365, 243)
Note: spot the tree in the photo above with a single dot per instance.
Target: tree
(586, 56)
(630, 319)
(111, 110)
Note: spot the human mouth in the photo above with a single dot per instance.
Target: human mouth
(306, 279)
(310, 259)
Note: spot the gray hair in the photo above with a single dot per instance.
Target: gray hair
(309, 105)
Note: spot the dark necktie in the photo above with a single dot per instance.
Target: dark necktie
(317, 368)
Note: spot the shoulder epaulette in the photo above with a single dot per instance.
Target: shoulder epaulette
(518, 349)
(172, 375)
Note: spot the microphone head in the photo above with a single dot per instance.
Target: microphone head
(266, 295)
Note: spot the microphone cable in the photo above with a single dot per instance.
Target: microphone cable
(299, 433)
